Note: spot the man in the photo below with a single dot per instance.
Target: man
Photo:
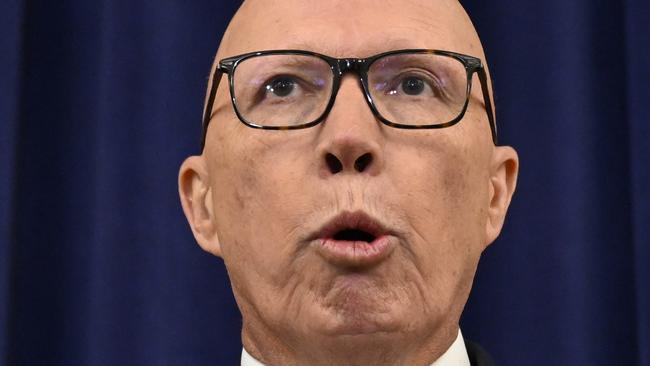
(348, 180)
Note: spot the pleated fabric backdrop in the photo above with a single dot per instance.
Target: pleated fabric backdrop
(101, 101)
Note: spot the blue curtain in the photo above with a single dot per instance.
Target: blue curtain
(101, 101)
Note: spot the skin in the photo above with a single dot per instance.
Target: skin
(254, 196)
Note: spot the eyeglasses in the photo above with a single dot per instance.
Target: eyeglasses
(294, 89)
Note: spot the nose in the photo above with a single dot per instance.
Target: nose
(350, 140)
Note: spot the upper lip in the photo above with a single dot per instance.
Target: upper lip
(357, 220)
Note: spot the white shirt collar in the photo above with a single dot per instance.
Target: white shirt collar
(248, 360)
(456, 355)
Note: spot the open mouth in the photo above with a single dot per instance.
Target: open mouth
(354, 239)
(354, 235)
(352, 227)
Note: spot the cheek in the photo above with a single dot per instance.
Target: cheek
(258, 203)
(444, 197)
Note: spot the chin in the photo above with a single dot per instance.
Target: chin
(360, 304)
(354, 318)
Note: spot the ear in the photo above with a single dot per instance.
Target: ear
(503, 180)
(196, 198)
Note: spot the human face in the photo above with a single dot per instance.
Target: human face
(349, 237)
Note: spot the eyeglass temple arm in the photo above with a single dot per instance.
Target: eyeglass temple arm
(207, 112)
(482, 75)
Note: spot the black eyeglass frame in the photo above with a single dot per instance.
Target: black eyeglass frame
(340, 66)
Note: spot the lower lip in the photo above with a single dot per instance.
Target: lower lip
(356, 253)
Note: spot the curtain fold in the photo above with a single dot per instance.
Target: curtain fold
(100, 102)
(10, 44)
(637, 28)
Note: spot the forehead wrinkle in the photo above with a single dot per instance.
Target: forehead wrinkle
(364, 49)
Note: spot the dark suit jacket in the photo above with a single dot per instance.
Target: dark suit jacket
(477, 355)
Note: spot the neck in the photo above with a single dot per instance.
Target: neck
(365, 349)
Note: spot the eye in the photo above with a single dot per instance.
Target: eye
(281, 87)
(413, 85)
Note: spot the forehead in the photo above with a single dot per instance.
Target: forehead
(353, 28)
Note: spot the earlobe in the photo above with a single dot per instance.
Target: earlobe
(503, 180)
(196, 197)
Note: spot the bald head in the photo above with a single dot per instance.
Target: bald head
(350, 28)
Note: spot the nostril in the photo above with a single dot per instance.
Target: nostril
(333, 163)
(363, 162)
